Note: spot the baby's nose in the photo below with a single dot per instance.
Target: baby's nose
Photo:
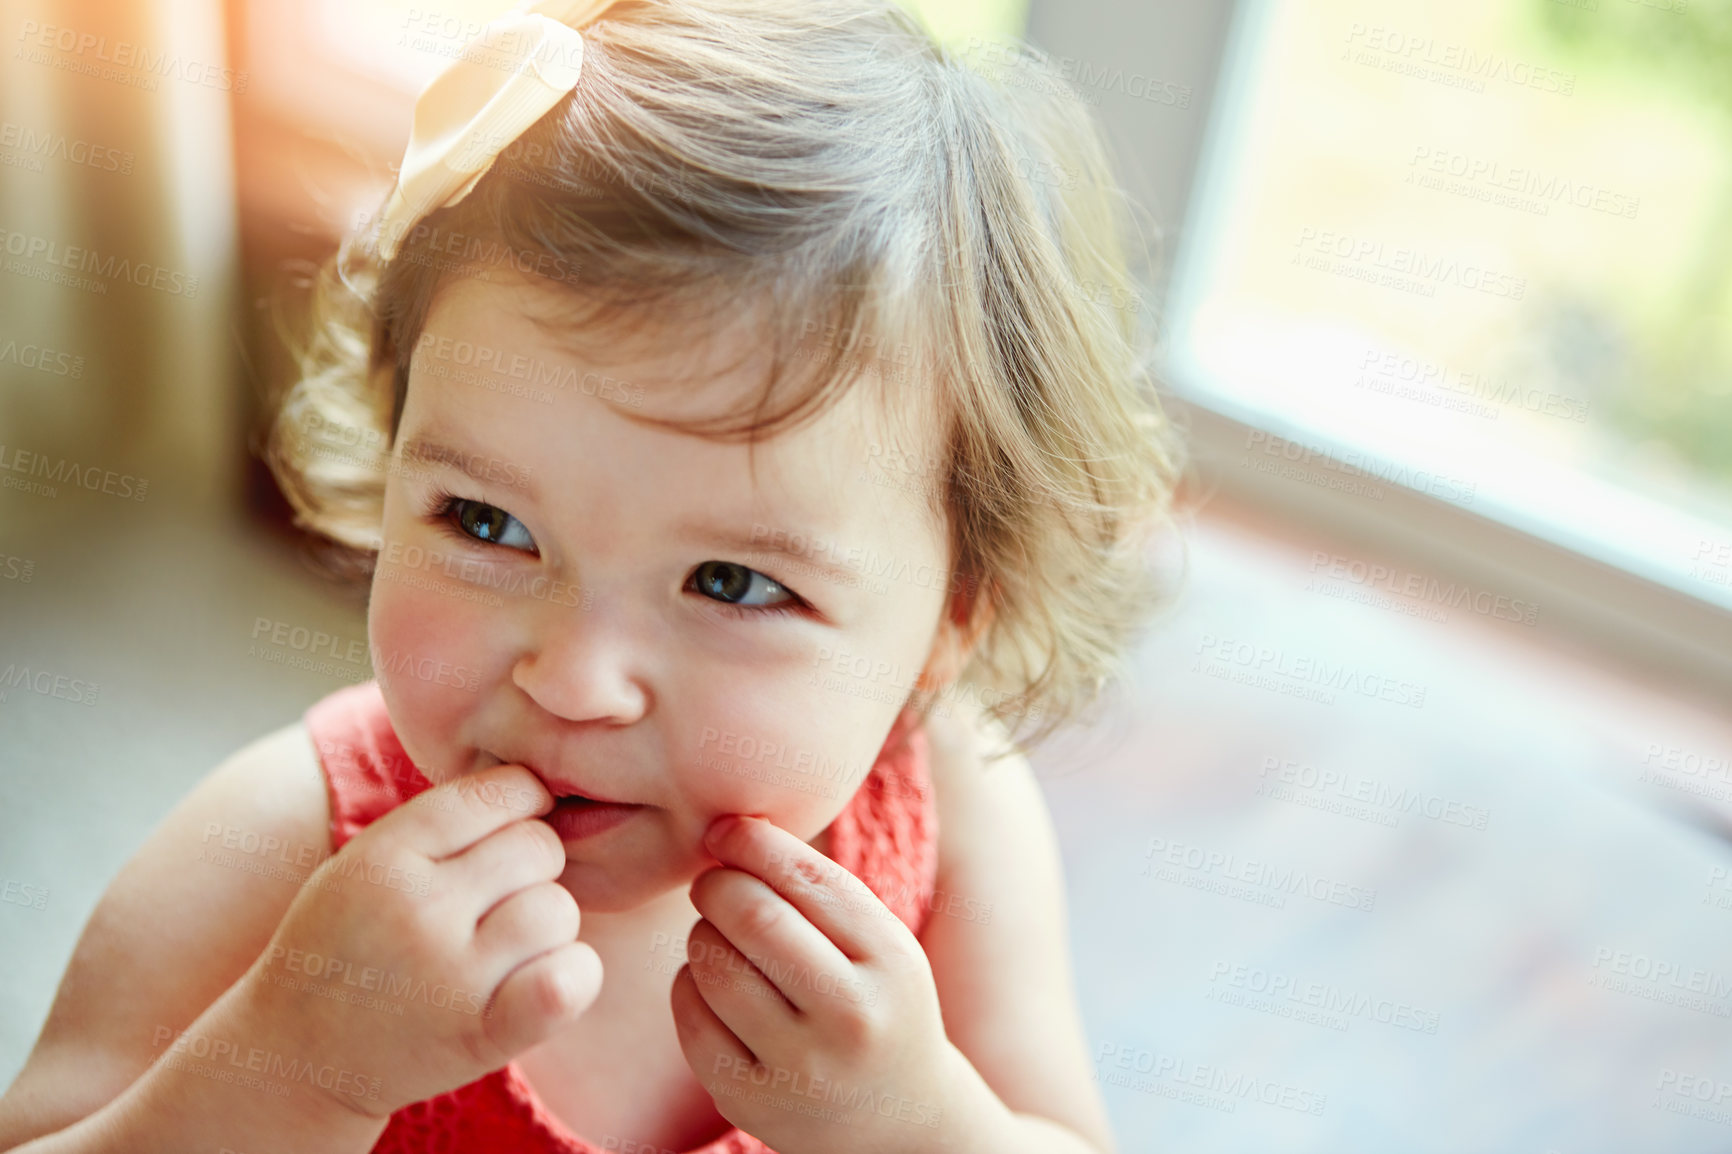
(586, 665)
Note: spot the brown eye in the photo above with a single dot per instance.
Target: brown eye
(483, 521)
(491, 524)
(731, 583)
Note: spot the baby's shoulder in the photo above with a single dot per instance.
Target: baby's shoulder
(181, 922)
(262, 816)
(978, 779)
(964, 742)
(220, 870)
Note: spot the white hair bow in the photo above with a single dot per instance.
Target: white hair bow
(515, 71)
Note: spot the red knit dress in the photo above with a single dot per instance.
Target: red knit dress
(886, 836)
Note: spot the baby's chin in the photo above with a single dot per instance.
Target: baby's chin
(603, 890)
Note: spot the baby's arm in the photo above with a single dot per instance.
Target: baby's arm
(175, 930)
(998, 943)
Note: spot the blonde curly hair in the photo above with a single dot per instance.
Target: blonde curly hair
(825, 158)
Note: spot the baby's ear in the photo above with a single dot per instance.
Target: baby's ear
(972, 610)
(968, 616)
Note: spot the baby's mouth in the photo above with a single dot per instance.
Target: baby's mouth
(562, 791)
(567, 795)
(575, 814)
(580, 801)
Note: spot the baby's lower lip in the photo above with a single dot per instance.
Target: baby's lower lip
(575, 818)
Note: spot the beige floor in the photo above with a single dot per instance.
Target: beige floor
(1499, 939)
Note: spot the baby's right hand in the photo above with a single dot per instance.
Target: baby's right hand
(437, 943)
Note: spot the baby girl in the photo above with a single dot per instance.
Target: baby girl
(763, 463)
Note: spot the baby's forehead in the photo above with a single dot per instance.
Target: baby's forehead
(877, 442)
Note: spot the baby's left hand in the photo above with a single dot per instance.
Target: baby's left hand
(807, 1008)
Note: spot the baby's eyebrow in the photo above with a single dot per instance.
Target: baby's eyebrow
(424, 450)
(809, 547)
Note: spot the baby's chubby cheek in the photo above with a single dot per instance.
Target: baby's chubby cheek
(796, 763)
(430, 660)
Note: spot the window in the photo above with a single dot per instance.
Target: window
(1482, 250)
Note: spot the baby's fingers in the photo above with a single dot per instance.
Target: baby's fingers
(520, 855)
(534, 919)
(449, 818)
(541, 996)
(707, 1043)
(844, 910)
